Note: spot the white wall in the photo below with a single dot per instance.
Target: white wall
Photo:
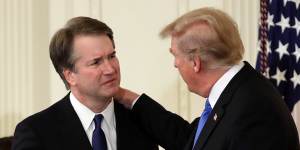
(31, 84)
(24, 76)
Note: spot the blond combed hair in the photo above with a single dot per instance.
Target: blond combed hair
(210, 33)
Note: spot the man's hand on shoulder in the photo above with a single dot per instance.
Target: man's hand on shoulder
(126, 97)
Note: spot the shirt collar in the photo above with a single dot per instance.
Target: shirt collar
(220, 85)
(109, 115)
(86, 115)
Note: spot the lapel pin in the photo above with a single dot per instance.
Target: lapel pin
(215, 117)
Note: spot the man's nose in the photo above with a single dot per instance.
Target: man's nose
(175, 63)
(108, 67)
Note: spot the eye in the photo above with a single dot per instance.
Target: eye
(96, 62)
(112, 56)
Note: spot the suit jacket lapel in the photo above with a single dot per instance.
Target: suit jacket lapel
(212, 121)
(121, 127)
(218, 111)
(72, 131)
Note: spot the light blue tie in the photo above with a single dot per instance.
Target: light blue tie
(202, 120)
(98, 140)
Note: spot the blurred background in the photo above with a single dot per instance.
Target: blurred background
(29, 83)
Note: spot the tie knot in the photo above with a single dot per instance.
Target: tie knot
(207, 106)
(97, 119)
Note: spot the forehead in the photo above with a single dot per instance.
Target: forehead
(92, 40)
(174, 43)
(92, 44)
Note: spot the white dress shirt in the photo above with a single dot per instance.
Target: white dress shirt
(108, 124)
(220, 85)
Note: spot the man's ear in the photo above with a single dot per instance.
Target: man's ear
(196, 63)
(69, 76)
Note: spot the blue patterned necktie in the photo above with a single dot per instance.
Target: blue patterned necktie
(202, 120)
(98, 140)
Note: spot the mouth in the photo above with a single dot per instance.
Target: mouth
(110, 81)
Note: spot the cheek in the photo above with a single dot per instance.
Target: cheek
(92, 75)
(117, 65)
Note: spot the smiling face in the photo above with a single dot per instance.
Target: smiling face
(96, 74)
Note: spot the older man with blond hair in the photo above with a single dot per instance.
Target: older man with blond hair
(243, 111)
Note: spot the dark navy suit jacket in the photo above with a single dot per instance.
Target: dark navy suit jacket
(59, 128)
(249, 115)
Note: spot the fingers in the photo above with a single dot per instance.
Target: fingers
(125, 97)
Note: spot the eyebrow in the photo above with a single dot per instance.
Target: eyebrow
(95, 59)
(99, 58)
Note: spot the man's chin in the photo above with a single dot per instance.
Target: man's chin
(111, 92)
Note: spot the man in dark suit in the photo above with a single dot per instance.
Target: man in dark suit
(83, 54)
(243, 111)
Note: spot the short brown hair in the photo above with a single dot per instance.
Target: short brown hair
(61, 45)
(219, 41)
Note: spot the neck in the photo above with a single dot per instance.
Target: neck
(95, 104)
(207, 80)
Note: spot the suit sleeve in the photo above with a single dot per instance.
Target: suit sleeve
(25, 138)
(170, 130)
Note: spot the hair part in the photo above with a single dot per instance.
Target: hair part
(61, 46)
